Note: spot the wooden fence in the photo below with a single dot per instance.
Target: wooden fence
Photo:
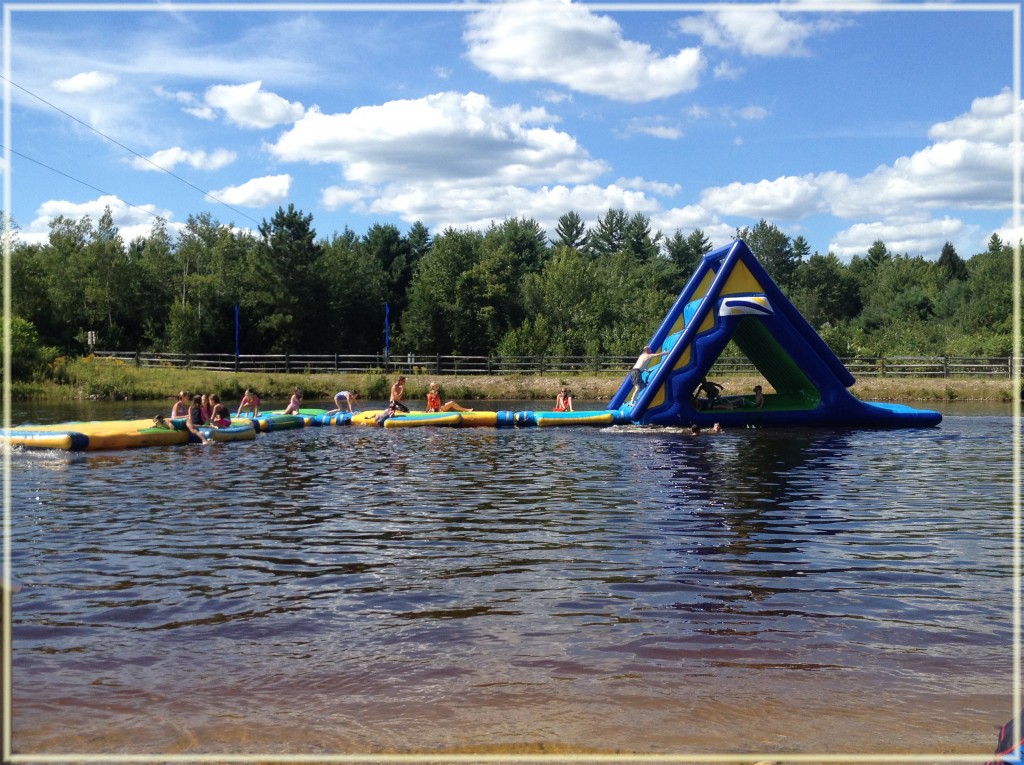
(897, 366)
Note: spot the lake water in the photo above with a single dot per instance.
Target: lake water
(356, 590)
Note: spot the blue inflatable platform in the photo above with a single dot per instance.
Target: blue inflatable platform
(731, 297)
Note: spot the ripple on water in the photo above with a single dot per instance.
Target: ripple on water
(350, 589)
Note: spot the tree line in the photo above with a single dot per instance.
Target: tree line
(509, 290)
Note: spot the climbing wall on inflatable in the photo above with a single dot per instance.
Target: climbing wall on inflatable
(730, 297)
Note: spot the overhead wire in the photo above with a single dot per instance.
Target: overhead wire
(77, 180)
(121, 145)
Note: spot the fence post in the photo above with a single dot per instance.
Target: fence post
(287, 363)
(945, 366)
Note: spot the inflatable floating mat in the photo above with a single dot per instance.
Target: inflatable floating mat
(118, 434)
(419, 419)
(554, 419)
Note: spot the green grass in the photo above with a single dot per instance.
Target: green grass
(98, 378)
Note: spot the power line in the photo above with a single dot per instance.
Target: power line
(76, 180)
(126, 148)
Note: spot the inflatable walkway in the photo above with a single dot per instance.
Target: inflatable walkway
(133, 434)
(731, 297)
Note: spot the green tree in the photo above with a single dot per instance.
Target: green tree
(441, 316)
(638, 239)
(290, 312)
(951, 266)
(774, 251)
(29, 357)
(356, 290)
(687, 251)
(826, 292)
(385, 244)
(571, 231)
(609, 237)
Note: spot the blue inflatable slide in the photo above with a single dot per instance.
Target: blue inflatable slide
(731, 297)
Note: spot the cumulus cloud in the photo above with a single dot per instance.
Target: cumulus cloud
(250, 106)
(258, 192)
(786, 198)
(448, 135)
(85, 82)
(567, 44)
(923, 235)
(955, 173)
(902, 203)
(336, 197)
(764, 33)
(990, 119)
(168, 159)
(132, 221)
(462, 206)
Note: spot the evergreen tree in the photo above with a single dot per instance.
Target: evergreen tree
(774, 251)
(951, 266)
(638, 240)
(291, 312)
(571, 232)
(687, 252)
(610, 235)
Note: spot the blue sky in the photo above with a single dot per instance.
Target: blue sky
(844, 124)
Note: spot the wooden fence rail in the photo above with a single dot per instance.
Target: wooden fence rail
(896, 366)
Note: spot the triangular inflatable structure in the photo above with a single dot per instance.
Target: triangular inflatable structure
(731, 297)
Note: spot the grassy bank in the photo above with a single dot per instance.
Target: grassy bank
(108, 379)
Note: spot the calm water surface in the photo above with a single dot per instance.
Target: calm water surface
(344, 590)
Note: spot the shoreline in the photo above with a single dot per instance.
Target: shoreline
(119, 382)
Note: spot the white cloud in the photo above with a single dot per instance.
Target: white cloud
(787, 198)
(752, 113)
(446, 203)
(726, 71)
(727, 114)
(655, 187)
(963, 170)
(336, 197)
(990, 119)
(132, 221)
(460, 137)
(765, 33)
(564, 43)
(258, 192)
(202, 112)
(655, 127)
(955, 173)
(913, 236)
(250, 106)
(86, 82)
(168, 159)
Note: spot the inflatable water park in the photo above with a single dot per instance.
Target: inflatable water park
(730, 297)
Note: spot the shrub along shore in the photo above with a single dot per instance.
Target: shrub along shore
(92, 378)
